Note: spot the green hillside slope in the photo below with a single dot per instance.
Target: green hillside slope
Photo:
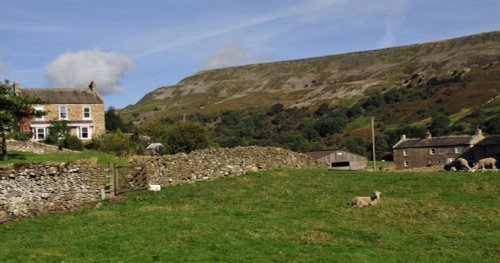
(454, 75)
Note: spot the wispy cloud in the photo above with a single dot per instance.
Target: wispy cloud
(395, 17)
(233, 55)
(77, 69)
(35, 28)
(192, 36)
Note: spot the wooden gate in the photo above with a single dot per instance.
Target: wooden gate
(126, 178)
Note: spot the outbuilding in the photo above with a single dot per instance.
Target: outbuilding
(340, 159)
(155, 149)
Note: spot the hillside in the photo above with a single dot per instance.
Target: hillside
(451, 76)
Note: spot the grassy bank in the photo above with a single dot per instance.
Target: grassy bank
(277, 216)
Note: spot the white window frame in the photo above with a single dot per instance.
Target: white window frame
(457, 150)
(60, 112)
(432, 151)
(39, 108)
(83, 113)
(406, 164)
(89, 132)
(405, 153)
(35, 133)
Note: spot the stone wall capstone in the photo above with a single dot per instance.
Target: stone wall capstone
(211, 163)
(39, 188)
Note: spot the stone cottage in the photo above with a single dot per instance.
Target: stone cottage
(434, 151)
(83, 109)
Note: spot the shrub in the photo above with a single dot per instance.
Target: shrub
(20, 136)
(73, 143)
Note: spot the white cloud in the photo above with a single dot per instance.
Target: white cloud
(77, 69)
(233, 55)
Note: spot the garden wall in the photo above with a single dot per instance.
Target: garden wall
(217, 162)
(39, 188)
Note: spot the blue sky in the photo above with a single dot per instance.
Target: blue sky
(133, 47)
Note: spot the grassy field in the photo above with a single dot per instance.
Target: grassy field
(277, 216)
(28, 157)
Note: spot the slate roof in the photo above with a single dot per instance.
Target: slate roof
(64, 95)
(318, 154)
(435, 142)
(490, 140)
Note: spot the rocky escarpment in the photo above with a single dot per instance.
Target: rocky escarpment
(218, 162)
(39, 188)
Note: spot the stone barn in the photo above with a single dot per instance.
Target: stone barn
(339, 159)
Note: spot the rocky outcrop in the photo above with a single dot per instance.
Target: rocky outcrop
(218, 162)
(39, 188)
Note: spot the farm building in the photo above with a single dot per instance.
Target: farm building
(435, 151)
(340, 160)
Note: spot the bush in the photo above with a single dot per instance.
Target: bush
(73, 143)
(20, 136)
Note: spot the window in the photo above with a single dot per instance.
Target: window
(405, 153)
(86, 113)
(407, 164)
(63, 113)
(39, 133)
(457, 150)
(432, 151)
(85, 132)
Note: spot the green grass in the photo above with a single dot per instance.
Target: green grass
(28, 157)
(277, 216)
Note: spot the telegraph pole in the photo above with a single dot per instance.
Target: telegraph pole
(373, 147)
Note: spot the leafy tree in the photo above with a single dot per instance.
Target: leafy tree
(115, 122)
(276, 108)
(185, 137)
(393, 96)
(116, 143)
(58, 134)
(230, 117)
(322, 110)
(375, 100)
(355, 145)
(493, 125)
(354, 112)
(440, 124)
(13, 109)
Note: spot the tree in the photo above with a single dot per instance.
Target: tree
(58, 133)
(114, 121)
(183, 137)
(12, 110)
(440, 124)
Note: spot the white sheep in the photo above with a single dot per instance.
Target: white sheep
(366, 200)
(154, 187)
(490, 161)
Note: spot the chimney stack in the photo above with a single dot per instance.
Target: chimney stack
(16, 87)
(479, 133)
(92, 86)
(403, 137)
(428, 134)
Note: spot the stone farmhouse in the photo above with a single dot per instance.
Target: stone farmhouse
(83, 109)
(439, 151)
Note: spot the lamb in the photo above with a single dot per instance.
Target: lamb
(490, 161)
(365, 200)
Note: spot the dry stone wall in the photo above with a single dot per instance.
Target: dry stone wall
(39, 188)
(218, 162)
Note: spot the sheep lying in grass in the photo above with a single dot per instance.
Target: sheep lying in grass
(366, 200)
(490, 161)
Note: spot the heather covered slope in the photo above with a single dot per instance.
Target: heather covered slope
(454, 75)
